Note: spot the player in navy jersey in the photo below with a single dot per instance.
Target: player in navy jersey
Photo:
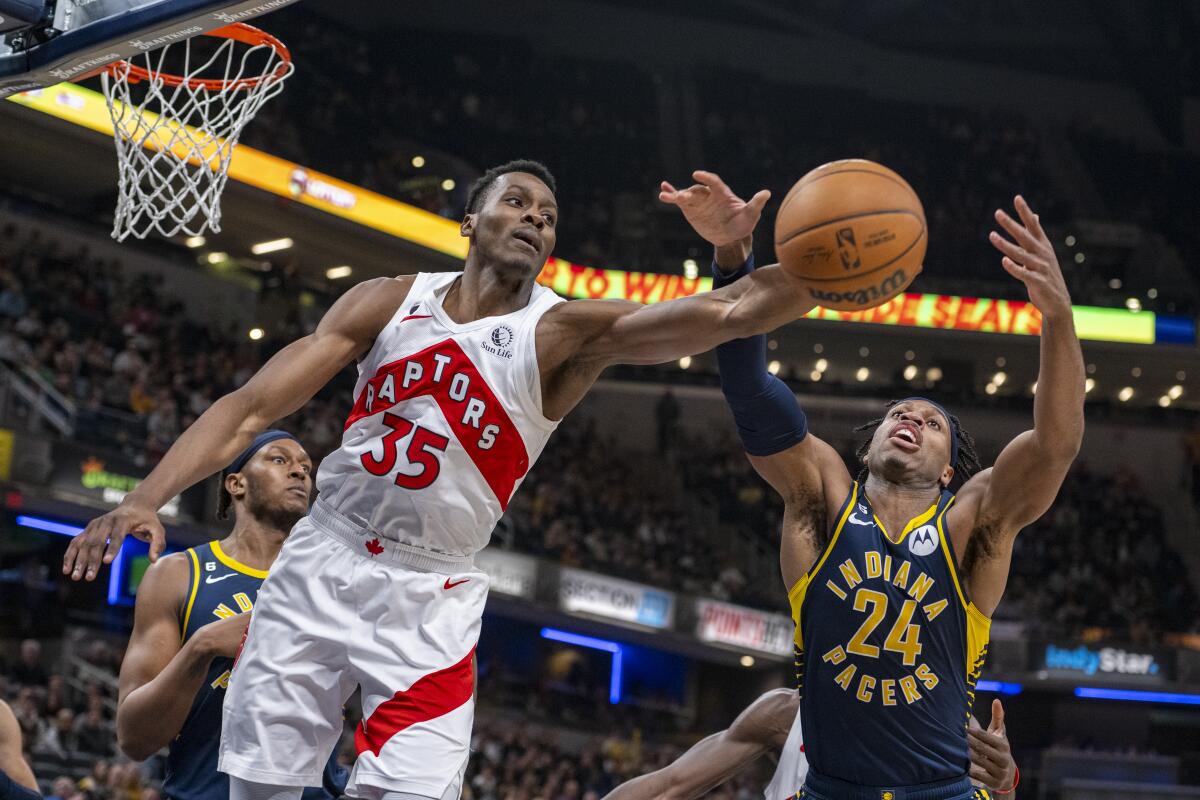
(892, 578)
(191, 614)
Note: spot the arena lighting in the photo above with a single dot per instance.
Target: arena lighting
(1136, 372)
(334, 273)
(1133, 304)
(216, 258)
(614, 685)
(418, 161)
(1138, 696)
(1175, 392)
(821, 365)
(818, 348)
(272, 246)
(747, 661)
(909, 355)
(1001, 361)
(1091, 369)
(1088, 385)
(999, 378)
(1070, 240)
(933, 374)
(864, 351)
(990, 388)
(257, 333)
(1114, 283)
(1164, 401)
(690, 268)
(862, 374)
(50, 526)
(449, 184)
(195, 241)
(1125, 394)
(910, 372)
(685, 362)
(774, 367)
(1181, 376)
(1152, 293)
(1080, 258)
(999, 687)
(815, 375)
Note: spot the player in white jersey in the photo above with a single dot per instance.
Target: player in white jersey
(462, 377)
(771, 724)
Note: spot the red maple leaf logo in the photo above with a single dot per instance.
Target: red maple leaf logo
(374, 547)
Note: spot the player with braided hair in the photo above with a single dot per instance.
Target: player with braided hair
(892, 578)
(968, 463)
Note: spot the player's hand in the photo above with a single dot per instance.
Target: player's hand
(1030, 259)
(717, 214)
(101, 539)
(224, 638)
(992, 763)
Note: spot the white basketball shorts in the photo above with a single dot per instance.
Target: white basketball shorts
(343, 609)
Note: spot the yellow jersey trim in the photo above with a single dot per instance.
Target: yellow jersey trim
(187, 614)
(913, 523)
(234, 564)
(797, 592)
(979, 625)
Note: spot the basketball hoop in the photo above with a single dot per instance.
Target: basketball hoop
(176, 133)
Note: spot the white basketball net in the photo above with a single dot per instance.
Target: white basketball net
(174, 143)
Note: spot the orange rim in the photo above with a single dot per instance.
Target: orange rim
(238, 31)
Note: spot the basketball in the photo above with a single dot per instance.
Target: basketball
(854, 232)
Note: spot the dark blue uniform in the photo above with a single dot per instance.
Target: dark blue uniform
(888, 650)
(219, 587)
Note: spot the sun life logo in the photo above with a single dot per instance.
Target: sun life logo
(501, 337)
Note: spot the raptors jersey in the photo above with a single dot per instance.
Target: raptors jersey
(792, 768)
(888, 650)
(447, 421)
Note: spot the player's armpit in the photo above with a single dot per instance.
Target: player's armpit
(157, 686)
(813, 482)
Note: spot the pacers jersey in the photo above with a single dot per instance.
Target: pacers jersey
(888, 650)
(447, 421)
(219, 587)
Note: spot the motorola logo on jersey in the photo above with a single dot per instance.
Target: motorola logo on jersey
(923, 541)
(501, 337)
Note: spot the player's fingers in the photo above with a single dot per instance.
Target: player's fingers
(759, 201)
(1015, 229)
(72, 552)
(997, 723)
(705, 178)
(1013, 251)
(158, 542)
(980, 774)
(1016, 270)
(1031, 220)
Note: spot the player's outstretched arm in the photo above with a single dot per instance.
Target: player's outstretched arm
(1030, 470)
(281, 386)
(160, 676)
(763, 726)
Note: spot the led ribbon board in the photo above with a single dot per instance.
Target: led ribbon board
(86, 108)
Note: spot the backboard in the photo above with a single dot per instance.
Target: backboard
(71, 39)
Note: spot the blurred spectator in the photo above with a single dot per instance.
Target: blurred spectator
(29, 670)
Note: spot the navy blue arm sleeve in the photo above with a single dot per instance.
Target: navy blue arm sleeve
(768, 416)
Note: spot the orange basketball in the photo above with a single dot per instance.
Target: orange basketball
(854, 232)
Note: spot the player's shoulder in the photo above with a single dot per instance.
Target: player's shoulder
(365, 308)
(167, 581)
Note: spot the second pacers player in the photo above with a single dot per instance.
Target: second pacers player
(893, 578)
